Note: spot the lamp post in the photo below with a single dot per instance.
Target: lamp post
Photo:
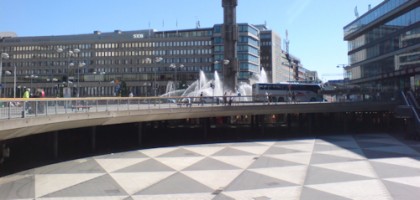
(5, 56)
(224, 62)
(156, 60)
(173, 66)
(82, 64)
(52, 85)
(14, 79)
(71, 53)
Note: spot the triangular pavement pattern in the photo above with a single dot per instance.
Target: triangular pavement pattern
(180, 152)
(366, 189)
(24, 187)
(317, 175)
(222, 197)
(364, 145)
(246, 144)
(402, 191)
(210, 164)
(292, 192)
(313, 194)
(301, 158)
(111, 165)
(331, 139)
(347, 144)
(249, 180)
(372, 136)
(393, 171)
(205, 150)
(179, 163)
(403, 150)
(411, 181)
(293, 174)
(228, 151)
(318, 158)
(86, 198)
(257, 150)
(353, 154)
(266, 162)
(150, 165)
(383, 141)
(404, 161)
(48, 183)
(242, 162)
(373, 155)
(81, 166)
(319, 147)
(134, 182)
(299, 147)
(195, 196)
(101, 186)
(176, 184)
(281, 150)
(157, 151)
(362, 168)
(214, 179)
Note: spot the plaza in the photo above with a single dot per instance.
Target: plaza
(358, 166)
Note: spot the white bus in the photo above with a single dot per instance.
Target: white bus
(282, 92)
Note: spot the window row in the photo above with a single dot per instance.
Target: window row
(375, 14)
(387, 28)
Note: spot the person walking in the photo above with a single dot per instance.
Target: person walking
(225, 98)
(201, 99)
(26, 94)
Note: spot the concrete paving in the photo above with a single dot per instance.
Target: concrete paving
(369, 166)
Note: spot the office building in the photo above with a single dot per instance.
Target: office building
(146, 60)
(384, 47)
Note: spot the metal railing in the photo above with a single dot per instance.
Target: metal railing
(11, 108)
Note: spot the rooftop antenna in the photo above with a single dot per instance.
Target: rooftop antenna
(197, 25)
(356, 13)
(177, 27)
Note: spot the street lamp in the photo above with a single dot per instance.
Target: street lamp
(71, 53)
(157, 60)
(224, 62)
(82, 64)
(14, 79)
(31, 77)
(173, 66)
(53, 87)
(5, 56)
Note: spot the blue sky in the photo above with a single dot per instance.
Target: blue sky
(315, 26)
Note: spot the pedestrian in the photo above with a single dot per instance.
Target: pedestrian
(225, 98)
(293, 97)
(131, 94)
(26, 94)
(267, 98)
(201, 99)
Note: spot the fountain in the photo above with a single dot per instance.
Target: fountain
(203, 85)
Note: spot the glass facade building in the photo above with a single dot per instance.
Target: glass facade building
(129, 56)
(384, 47)
(248, 50)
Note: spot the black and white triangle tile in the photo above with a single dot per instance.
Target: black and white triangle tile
(371, 166)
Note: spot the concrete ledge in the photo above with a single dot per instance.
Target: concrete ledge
(20, 127)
